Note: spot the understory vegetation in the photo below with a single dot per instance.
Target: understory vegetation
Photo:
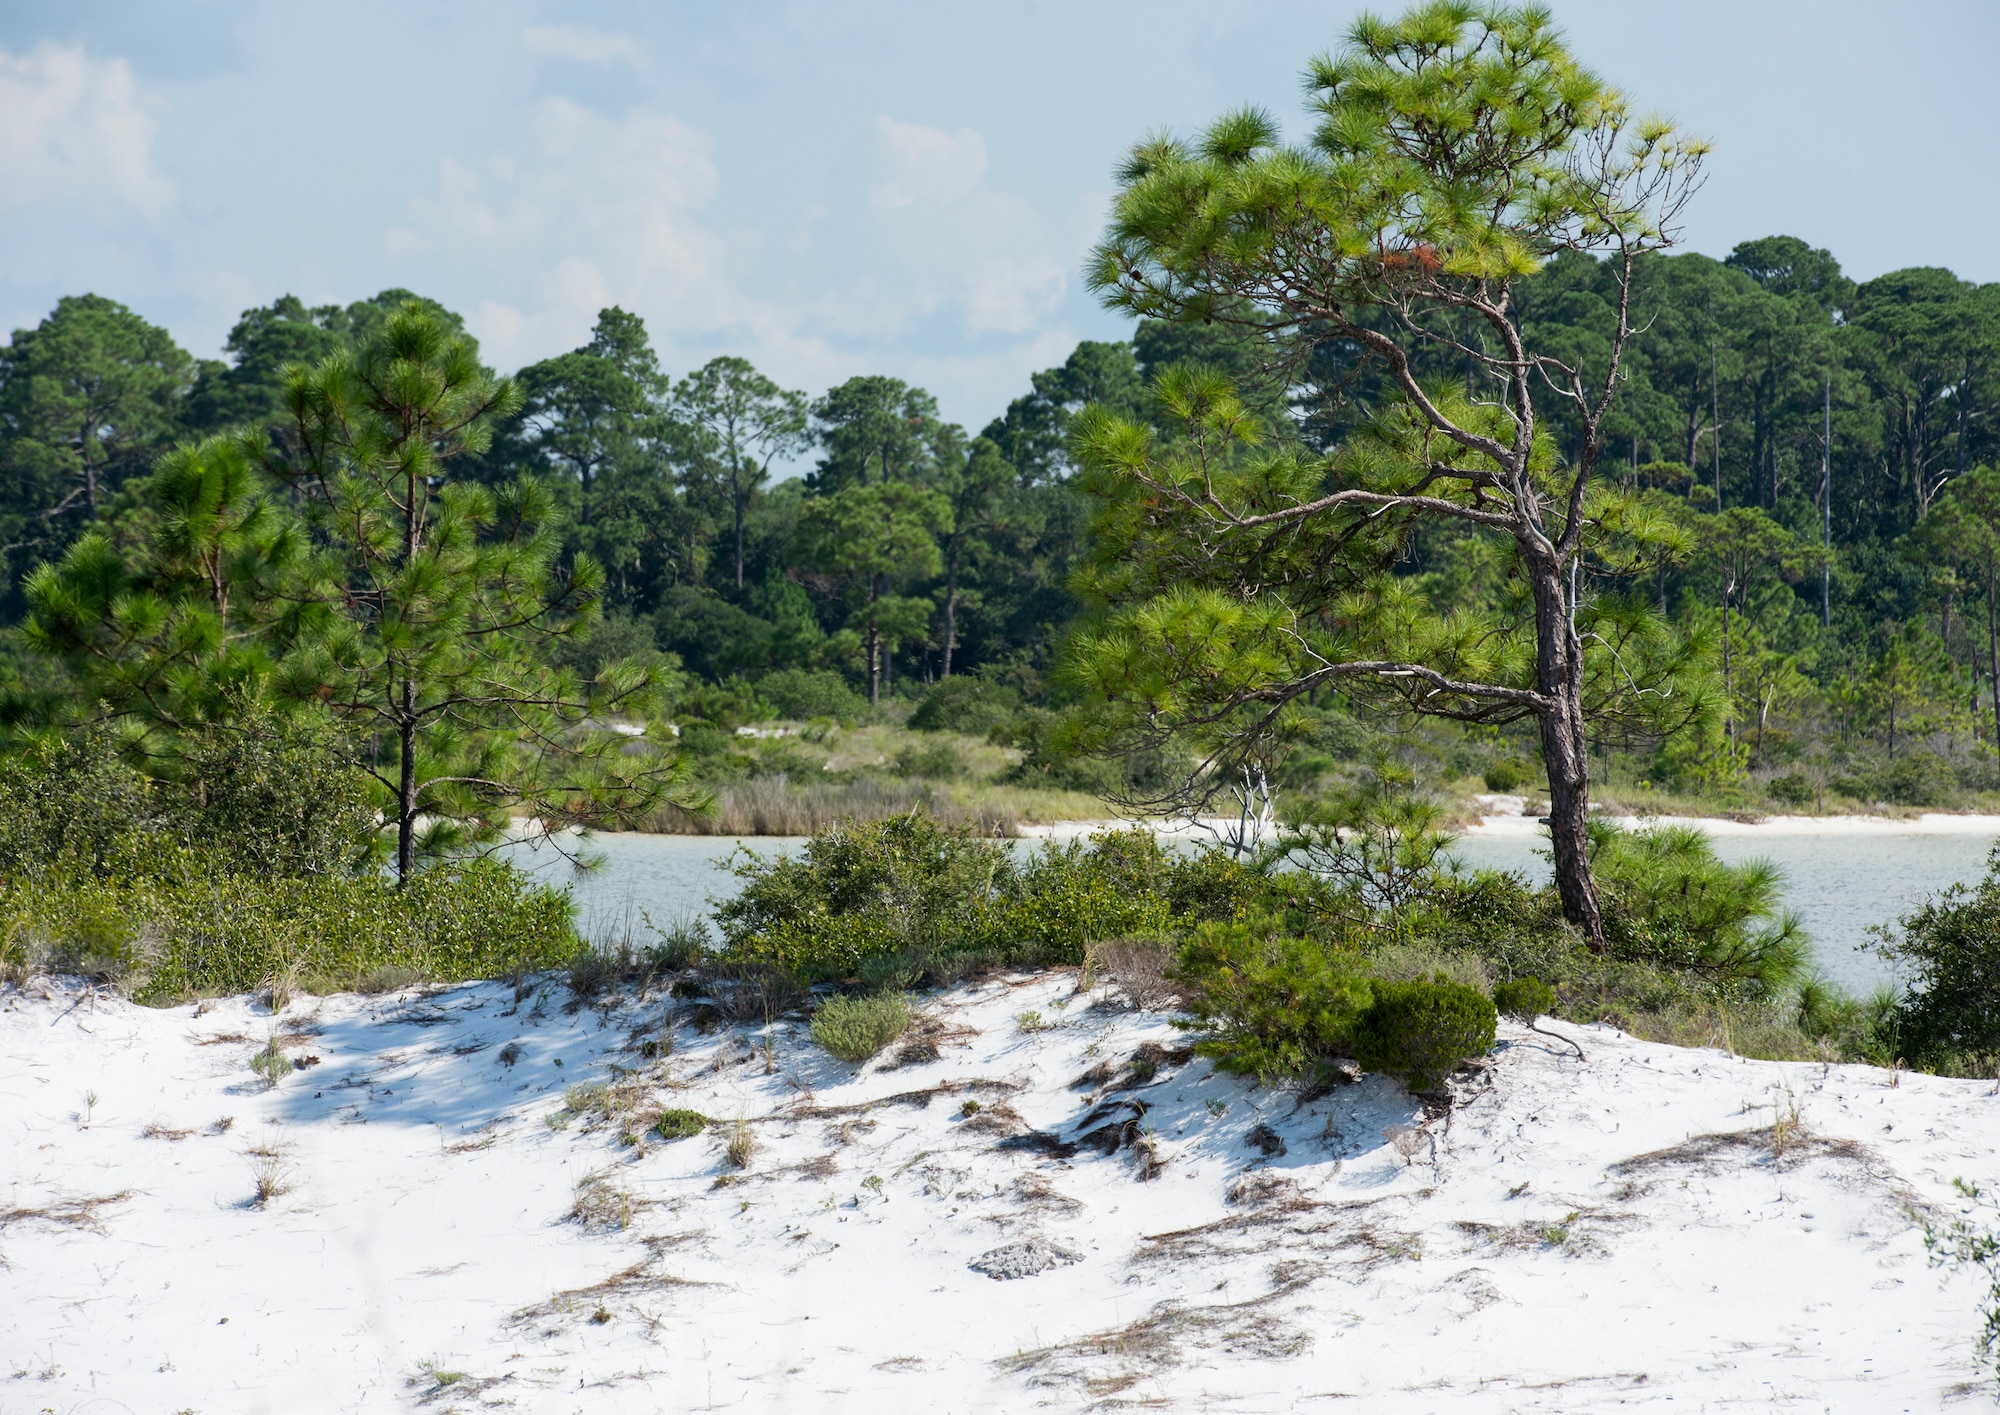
(1283, 972)
(259, 870)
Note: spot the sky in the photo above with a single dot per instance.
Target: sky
(836, 189)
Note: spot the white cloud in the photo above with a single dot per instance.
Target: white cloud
(590, 209)
(964, 245)
(583, 44)
(595, 210)
(926, 165)
(74, 128)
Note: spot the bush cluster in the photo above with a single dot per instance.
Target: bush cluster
(1947, 1016)
(1420, 1031)
(921, 893)
(187, 930)
(856, 1028)
(256, 865)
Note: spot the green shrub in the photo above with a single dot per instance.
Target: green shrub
(906, 884)
(1669, 900)
(262, 795)
(183, 930)
(1524, 999)
(855, 1028)
(677, 1124)
(1069, 896)
(1267, 1005)
(271, 1063)
(965, 704)
(69, 804)
(802, 694)
(1948, 951)
(1792, 790)
(1421, 1031)
(1503, 777)
(931, 761)
(1916, 779)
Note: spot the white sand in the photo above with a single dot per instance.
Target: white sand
(1588, 1236)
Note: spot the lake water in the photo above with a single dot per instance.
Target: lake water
(1841, 876)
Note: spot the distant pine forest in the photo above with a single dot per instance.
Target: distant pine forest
(1828, 447)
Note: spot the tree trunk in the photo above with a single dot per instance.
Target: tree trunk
(738, 499)
(1728, 686)
(406, 789)
(1993, 644)
(1559, 678)
(950, 609)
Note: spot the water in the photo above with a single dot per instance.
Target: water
(1840, 881)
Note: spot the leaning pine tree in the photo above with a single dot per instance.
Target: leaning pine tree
(1455, 150)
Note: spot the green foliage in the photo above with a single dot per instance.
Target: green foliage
(1069, 896)
(962, 703)
(442, 658)
(67, 803)
(1670, 901)
(914, 893)
(265, 794)
(184, 930)
(86, 400)
(745, 422)
(1382, 841)
(271, 1063)
(856, 1028)
(803, 694)
(899, 885)
(678, 1124)
(931, 761)
(1502, 777)
(1948, 951)
(275, 795)
(1524, 999)
(1265, 1004)
(1792, 789)
(876, 539)
(1420, 1031)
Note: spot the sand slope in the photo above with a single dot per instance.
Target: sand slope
(1577, 1236)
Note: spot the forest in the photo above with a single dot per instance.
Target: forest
(1822, 449)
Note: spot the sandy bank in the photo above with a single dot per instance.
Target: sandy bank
(1626, 1231)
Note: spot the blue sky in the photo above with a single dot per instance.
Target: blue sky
(834, 189)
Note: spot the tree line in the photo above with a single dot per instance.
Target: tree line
(1810, 453)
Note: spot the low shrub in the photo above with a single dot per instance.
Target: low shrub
(1792, 789)
(855, 1028)
(1525, 1000)
(861, 890)
(931, 761)
(1068, 896)
(971, 705)
(926, 892)
(183, 931)
(802, 694)
(1503, 777)
(1267, 1005)
(677, 1124)
(1670, 900)
(1421, 1031)
(1948, 951)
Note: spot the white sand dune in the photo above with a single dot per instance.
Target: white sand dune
(1616, 1233)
